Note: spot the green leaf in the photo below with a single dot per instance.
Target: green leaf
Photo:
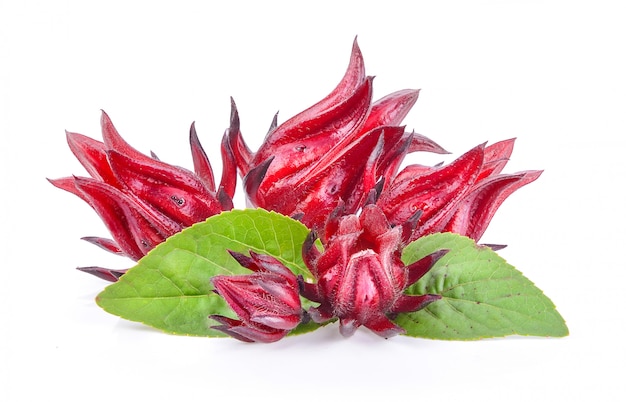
(483, 296)
(169, 288)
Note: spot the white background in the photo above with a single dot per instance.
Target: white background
(549, 73)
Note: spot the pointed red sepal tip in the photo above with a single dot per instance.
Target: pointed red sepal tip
(332, 222)
(252, 181)
(421, 143)
(238, 330)
(133, 228)
(240, 151)
(225, 201)
(374, 193)
(111, 275)
(437, 192)
(68, 184)
(201, 164)
(228, 180)
(113, 140)
(409, 226)
(310, 253)
(391, 109)
(383, 327)
(243, 260)
(91, 154)
(409, 303)
(105, 244)
(474, 214)
(494, 247)
(227, 324)
(420, 267)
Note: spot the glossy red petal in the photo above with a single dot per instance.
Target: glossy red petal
(475, 212)
(352, 79)
(347, 176)
(304, 144)
(407, 304)
(201, 165)
(396, 146)
(68, 184)
(412, 172)
(420, 142)
(228, 181)
(391, 110)
(114, 141)
(496, 157)
(437, 193)
(317, 116)
(270, 264)
(240, 151)
(175, 192)
(92, 155)
(129, 224)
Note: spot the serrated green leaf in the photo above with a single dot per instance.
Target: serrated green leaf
(169, 288)
(483, 296)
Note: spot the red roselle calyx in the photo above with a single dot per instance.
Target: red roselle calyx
(461, 197)
(344, 146)
(338, 149)
(142, 200)
(266, 301)
(359, 277)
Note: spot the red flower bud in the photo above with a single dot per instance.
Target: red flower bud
(267, 301)
(360, 277)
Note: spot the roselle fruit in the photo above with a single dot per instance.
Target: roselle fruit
(359, 276)
(461, 197)
(142, 200)
(338, 149)
(266, 301)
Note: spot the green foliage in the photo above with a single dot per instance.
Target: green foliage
(170, 288)
(483, 296)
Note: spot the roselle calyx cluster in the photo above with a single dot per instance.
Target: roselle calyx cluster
(338, 167)
(141, 199)
(341, 148)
